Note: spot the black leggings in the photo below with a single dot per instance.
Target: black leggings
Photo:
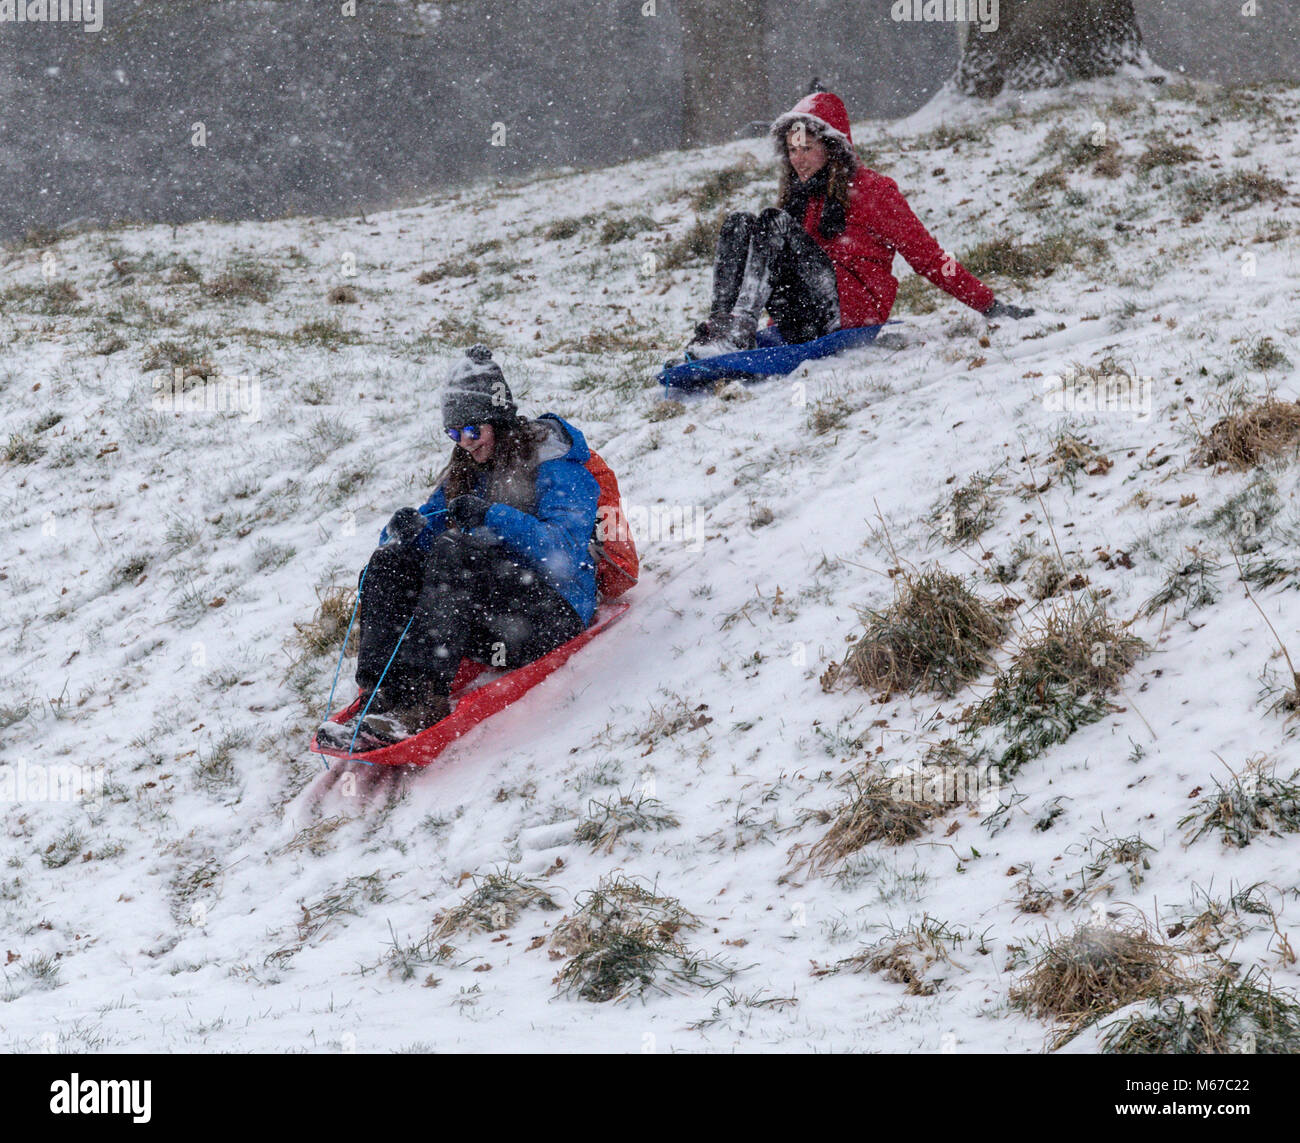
(470, 599)
(769, 260)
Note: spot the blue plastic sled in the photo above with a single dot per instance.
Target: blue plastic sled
(773, 357)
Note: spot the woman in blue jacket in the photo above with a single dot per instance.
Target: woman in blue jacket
(494, 567)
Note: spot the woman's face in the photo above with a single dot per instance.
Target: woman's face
(807, 152)
(481, 450)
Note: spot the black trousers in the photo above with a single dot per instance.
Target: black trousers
(770, 261)
(469, 598)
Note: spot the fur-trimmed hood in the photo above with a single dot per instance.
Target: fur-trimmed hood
(825, 110)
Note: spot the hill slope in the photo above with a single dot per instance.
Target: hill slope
(223, 893)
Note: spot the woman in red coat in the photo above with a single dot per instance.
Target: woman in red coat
(822, 259)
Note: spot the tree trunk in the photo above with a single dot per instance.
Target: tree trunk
(724, 68)
(1045, 43)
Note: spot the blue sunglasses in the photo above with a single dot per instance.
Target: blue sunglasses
(473, 432)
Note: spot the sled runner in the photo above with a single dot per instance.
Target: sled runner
(474, 700)
(772, 358)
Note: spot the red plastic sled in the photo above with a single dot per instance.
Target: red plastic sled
(473, 704)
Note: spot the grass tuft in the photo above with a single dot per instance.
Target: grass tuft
(1094, 971)
(1253, 803)
(1058, 680)
(624, 941)
(936, 636)
(495, 903)
(1241, 440)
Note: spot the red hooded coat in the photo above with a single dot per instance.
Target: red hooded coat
(880, 224)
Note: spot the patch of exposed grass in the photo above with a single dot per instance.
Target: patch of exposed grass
(214, 768)
(323, 633)
(449, 269)
(916, 295)
(1233, 1017)
(874, 811)
(129, 570)
(1240, 189)
(609, 820)
(565, 228)
(1263, 353)
(494, 904)
(323, 438)
(936, 636)
(328, 333)
(624, 941)
(64, 848)
(1241, 440)
(697, 245)
(1058, 681)
(1165, 154)
(171, 355)
(1040, 259)
(827, 414)
(1253, 803)
(968, 512)
(21, 449)
(55, 297)
(717, 189)
(1095, 970)
(913, 957)
(623, 228)
(1193, 582)
(242, 281)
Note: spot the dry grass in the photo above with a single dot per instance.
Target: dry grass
(495, 903)
(624, 940)
(1241, 440)
(324, 633)
(697, 245)
(1237, 1017)
(1253, 803)
(1165, 154)
(1058, 680)
(1020, 261)
(909, 957)
(242, 281)
(607, 821)
(874, 811)
(1094, 971)
(936, 636)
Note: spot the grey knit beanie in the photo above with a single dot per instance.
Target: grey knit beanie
(476, 392)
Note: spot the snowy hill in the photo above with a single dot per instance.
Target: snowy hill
(164, 565)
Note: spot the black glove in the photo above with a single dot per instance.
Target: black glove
(1001, 309)
(406, 524)
(467, 511)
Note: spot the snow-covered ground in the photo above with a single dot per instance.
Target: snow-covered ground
(222, 892)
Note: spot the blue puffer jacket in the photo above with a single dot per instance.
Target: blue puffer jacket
(554, 537)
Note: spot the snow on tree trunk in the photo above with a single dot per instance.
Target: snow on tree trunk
(1045, 43)
(725, 69)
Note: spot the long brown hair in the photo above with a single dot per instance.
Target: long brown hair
(840, 160)
(510, 471)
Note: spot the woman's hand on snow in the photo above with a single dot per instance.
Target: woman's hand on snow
(467, 511)
(1001, 309)
(406, 524)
